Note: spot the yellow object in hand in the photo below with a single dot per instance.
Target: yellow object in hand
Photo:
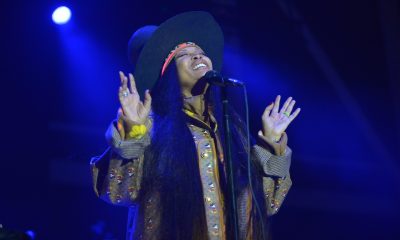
(138, 131)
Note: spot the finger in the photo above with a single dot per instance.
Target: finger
(121, 95)
(276, 105)
(285, 105)
(124, 81)
(123, 101)
(284, 141)
(147, 100)
(120, 91)
(294, 115)
(132, 84)
(268, 110)
(290, 107)
(121, 77)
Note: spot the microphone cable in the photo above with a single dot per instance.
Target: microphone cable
(249, 174)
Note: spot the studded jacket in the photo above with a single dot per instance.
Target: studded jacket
(118, 181)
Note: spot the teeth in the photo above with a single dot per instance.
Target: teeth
(199, 66)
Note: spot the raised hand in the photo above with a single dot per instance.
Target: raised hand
(133, 108)
(275, 122)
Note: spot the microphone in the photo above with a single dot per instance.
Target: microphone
(215, 78)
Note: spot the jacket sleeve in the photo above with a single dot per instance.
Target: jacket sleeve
(275, 167)
(117, 173)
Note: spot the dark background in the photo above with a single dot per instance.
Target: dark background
(340, 60)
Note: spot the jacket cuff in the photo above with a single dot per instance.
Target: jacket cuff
(128, 149)
(271, 164)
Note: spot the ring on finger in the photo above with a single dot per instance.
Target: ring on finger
(125, 94)
(287, 114)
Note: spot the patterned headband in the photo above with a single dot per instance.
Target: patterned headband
(172, 54)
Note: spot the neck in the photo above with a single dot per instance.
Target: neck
(195, 101)
(197, 105)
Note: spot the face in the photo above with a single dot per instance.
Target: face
(192, 64)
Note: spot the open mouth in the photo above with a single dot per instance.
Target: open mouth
(199, 66)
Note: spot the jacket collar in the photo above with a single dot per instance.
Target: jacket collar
(196, 120)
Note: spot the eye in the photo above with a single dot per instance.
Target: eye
(181, 55)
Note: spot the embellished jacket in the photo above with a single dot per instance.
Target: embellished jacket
(117, 178)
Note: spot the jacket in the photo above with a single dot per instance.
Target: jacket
(117, 176)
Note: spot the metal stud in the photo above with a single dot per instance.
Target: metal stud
(119, 179)
(205, 133)
(112, 173)
(204, 155)
(149, 224)
(284, 192)
(215, 228)
(213, 208)
(131, 171)
(209, 167)
(118, 198)
(211, 186)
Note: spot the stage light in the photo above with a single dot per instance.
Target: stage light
(61, 15)
(31, 234)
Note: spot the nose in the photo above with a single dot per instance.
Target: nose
(197, 56)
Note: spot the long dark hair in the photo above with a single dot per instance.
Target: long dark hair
(172, 170)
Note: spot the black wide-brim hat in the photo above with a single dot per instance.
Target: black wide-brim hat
(150, 45)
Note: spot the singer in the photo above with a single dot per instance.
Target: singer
(166, 153)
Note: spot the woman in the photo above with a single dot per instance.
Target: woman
(166, 152)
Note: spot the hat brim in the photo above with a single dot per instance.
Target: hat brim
(197, 26)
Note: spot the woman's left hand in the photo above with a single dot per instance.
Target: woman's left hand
(275, 122)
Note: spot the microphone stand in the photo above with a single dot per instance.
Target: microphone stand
(228, 158)
(215, 78)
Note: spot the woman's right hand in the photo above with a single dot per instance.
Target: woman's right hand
(133, 108)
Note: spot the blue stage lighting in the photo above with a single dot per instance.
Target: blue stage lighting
(61, 15)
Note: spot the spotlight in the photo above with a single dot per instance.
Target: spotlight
(61, 15)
